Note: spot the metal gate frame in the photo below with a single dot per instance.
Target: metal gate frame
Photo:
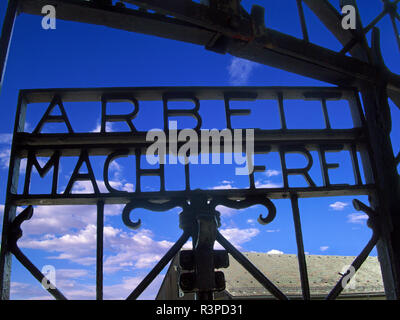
(244, 35)
(199, 218)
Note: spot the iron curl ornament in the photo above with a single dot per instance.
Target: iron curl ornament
(209, 204)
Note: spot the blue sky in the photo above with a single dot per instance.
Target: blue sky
(79, 55)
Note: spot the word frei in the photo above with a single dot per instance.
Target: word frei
(189, 151)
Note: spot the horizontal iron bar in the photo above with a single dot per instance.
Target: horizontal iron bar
(273, 48)
(102, 144)
(125, 197)
(201, 15)
(201, 92)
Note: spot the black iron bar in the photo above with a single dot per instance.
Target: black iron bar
(302, 20)
(257, 274)
(159, 266)
(375, 21)
(358, 261)
(126, 197)
(10, 210)
(6, 34)
(102, 144)
(99, 250)
(355, 165)
(37, 274)
(365, 30)
(395, 29)
(300, 248)
(282, 116)
(199, 92)
(326, 114)
(288, 53)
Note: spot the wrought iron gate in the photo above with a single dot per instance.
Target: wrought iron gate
(199, 218)
(223, 27)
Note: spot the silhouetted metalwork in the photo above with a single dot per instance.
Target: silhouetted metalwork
(199, 218)
(223, 27)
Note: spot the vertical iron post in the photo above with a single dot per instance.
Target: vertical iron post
(384, 172)
(5, 38)
(203, 245)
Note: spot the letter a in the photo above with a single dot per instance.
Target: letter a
(76, 176)
(47, 117)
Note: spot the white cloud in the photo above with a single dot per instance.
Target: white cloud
(223, 186)
(147, 251)
(323, 248)
(109, 127)
(267, 184)
(74, 288)
(59, 219)
(226, 212)
(338, 205)
(273, 230)
(235, 236)
(5, 157)
(239, 236)
(26, 291)
(357, 218)
(74, 241)
(127, 285)
(87, 187)
(65, 274)
(5, 138)
(5, 150)
(274, 251)
(227, 182)
(240, 71)
(80, 247)
(272, 173)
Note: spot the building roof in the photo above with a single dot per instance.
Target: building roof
(283, 270)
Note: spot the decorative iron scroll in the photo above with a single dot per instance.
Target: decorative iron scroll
(199, 218)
